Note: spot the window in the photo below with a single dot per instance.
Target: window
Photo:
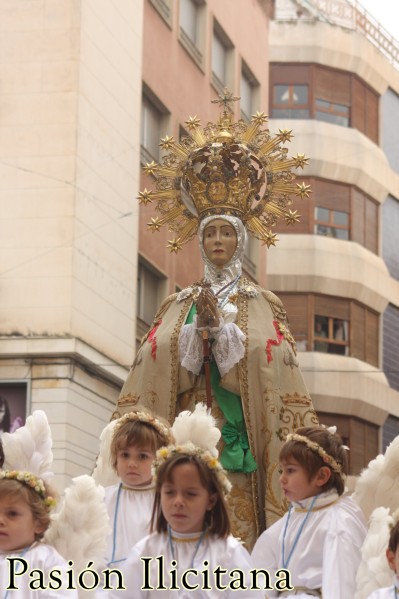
(149, 293)
(164, 8)
(151, 129)
(248, 92)
(332, 223)
(154, 121)
(331, 112)
(359, 435)
(301, 91)
(222, 56)
(13, 400)
(191, 27)
(337, 210)
(290, 102)
(333, 325)
(331, 335)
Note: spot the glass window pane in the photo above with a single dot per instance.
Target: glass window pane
(281, 94)
(150, 128)
(322, 230)
(341, 233)
(290, 114)
(300, 95)
(188, 18)
(340, 218)
(322, 214)
(246, 95)
(330, 117)
(219, 59)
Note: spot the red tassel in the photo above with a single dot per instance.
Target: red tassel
(153, 340)
(272, 342)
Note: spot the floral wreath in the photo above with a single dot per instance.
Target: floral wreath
(204, 455)
(161, 428)
(31, 481)
(316, 448)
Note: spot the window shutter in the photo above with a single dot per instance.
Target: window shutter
(296, 305)
(372, 101)
(332, 86)
(357, 331)
(357, 220)
(372, 337)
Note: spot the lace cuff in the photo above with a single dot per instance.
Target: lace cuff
(228, 348)
(190, 348)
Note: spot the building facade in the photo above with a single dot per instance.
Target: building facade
(70, 132)
(334, 80)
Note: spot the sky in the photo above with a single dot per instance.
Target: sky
(386, 12)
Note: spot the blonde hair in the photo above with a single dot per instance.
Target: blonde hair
(148, 431)
(11, 487)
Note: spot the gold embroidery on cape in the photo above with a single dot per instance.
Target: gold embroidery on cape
(242, 322)
(174, 352)
(294, 399)
(241, 508)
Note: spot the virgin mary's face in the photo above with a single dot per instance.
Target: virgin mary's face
(220, 241)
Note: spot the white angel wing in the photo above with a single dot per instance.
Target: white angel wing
(79, 529)
(377, 485)
(29, 447)
(197, 427)
(374, 572)
(103, 473)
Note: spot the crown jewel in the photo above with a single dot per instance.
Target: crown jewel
(227, 167)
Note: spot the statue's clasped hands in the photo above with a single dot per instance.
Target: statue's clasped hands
(207, 309)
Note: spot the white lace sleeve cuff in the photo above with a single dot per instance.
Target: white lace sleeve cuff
(228, 348)
(190, 348)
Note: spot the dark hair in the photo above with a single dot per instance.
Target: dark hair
(217, 519)
(5, 424)
(138, 433)
(394, 538)
(13, 488)
(311, 461)
(2, 457)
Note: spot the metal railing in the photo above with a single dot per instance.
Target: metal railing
(349, 14)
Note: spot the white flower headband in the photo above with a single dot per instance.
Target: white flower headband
(161, 428)
(31, 481)
(316, 448)
(204, 455)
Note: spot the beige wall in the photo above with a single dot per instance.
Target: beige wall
(70, 76)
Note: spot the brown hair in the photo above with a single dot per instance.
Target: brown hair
(138, 433)
(394, 538)
(311, 461)
(13, 488)
(216, 519)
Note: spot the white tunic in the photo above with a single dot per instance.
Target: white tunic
(38, 557)
(226, 553)
(129, 517)
(327, 552)
(386, 593)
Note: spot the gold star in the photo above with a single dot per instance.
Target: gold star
(150, 168)
(303, 190)
(193, 122)
(270, 239)
(154, 224)
(301, 160)
(167, 143)
(145, 196)
(285, 135)
(292, 217)
(174, 245)
(259, 118)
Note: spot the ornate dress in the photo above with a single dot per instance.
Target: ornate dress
(258, 400)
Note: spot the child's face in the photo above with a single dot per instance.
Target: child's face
(393, 559)
(184, 499)
(294, 480)
(18, 528)
(133, 465)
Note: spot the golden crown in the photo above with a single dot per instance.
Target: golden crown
(227, 167)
